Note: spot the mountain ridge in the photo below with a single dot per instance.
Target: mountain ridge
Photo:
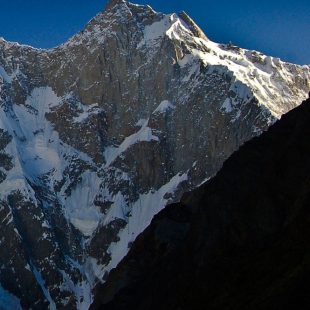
(110, 4)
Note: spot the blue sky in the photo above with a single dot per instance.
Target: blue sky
(277, 28)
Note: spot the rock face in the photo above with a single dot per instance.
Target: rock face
(240, 241)
(100, 133)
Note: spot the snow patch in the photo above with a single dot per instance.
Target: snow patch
(143, 135)
(142, 213)
(169, 25)
(141, 122)
(80, 209)
(117, 210)
(261, 78)
(4, 76)
(164, 106)
(8, 78)
(33, 132)
(86, 112)
(227, 105)
(155, 31)
(41, 282)
(81, 290)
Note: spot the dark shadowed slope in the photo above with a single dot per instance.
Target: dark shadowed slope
(240, 241)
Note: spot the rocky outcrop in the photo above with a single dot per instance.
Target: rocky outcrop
(240, 241)
(132, 111)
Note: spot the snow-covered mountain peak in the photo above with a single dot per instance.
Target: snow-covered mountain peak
(132, 111)
(148, 30)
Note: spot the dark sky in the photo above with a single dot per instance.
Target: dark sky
(277, 28)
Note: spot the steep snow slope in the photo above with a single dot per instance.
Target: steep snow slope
(99, 134)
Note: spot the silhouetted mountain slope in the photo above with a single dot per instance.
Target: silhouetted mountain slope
(240, 241)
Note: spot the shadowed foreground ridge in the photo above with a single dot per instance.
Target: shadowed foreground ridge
(240, 241)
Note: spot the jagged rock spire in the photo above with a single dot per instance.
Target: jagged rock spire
(192, 25)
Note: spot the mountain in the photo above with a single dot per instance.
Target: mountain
(99, 134)
(240, 241)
